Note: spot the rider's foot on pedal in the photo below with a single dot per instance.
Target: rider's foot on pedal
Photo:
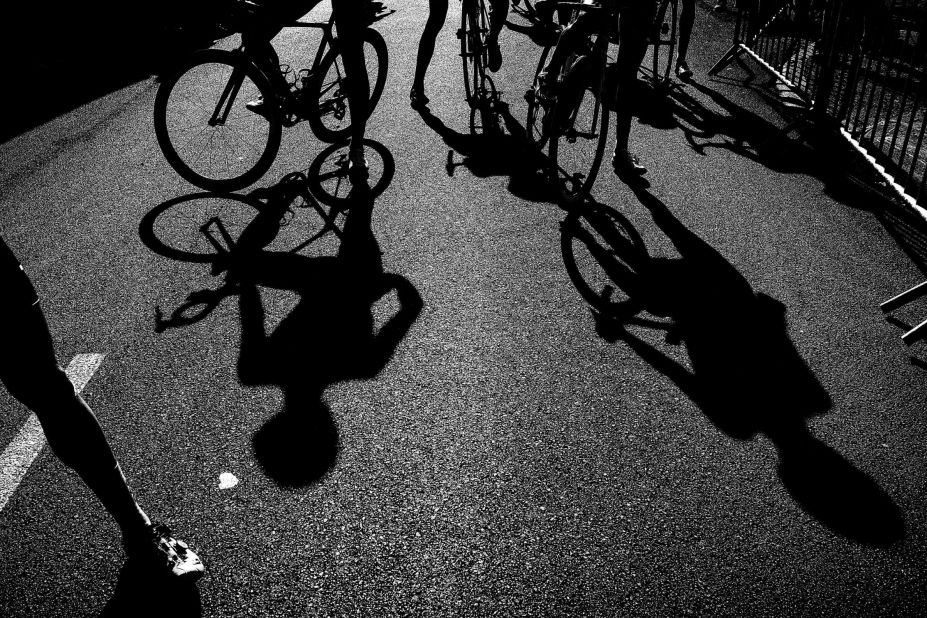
(495, 55)
(259, 106)
(625, 164)
(157, 550)
(357, 164)
(417, 97)
(683, 71)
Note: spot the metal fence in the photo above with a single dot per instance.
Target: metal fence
(859, 64)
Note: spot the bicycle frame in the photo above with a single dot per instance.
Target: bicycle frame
(229, 94)
(329, 40)
(224, 105)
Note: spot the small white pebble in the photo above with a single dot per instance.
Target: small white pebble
(227, 480)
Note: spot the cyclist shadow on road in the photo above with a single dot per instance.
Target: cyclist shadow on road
(497, 153)
(328, 337)
(746, 375)
(258, 241)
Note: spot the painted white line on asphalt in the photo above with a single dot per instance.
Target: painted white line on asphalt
(82, 368)
(28, 443)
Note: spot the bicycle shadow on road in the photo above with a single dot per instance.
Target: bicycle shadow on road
(502, 153)
(746, 375)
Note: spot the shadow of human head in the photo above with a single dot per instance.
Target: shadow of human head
(299, 445)
(834, 491)
(748, 378)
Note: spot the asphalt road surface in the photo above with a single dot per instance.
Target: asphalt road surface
(750, 444)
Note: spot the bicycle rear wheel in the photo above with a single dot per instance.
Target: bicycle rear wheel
(603, 255)
(326, 101)
(663, 41)
(474, 28)
(578, 124)
(203, 127)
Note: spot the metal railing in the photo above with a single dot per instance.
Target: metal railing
(859, 65)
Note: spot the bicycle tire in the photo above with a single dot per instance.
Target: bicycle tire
(537, 110)
(474, 27)
(484, 117)
(217, 156)
(604, 254)
(328, 111)
(577, 110)
(663, 40)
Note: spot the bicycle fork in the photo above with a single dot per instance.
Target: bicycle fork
(583, 74)
(224, 106)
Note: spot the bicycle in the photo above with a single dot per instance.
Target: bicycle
(482, 96)
(213, 141)
(573, 119)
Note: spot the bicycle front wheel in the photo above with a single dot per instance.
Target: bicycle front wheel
(578, 127)
(663, 41)
(537, 108)
(204, 128)
(328, 110)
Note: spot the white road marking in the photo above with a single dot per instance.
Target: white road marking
(28, 443)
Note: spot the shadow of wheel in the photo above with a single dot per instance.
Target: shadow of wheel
(604, 256)
(328, 173)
